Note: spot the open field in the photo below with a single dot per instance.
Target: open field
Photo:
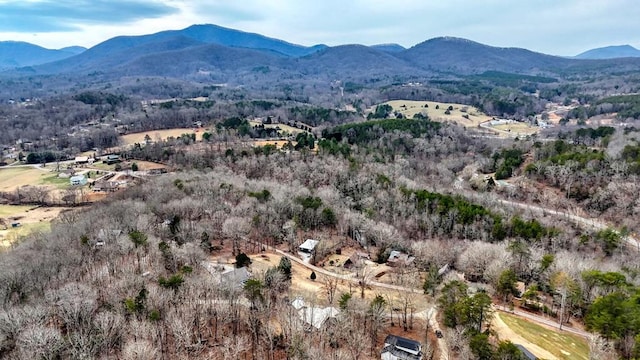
(278, 143)
(284, 128)
(31, 219)
(518, 128)
(148, 165)
(542, 341)
(13, 178)
(409, 108)
(130, 139)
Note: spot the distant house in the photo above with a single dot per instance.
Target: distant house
(526, 352)
(82, 160)
(235, 278)
(308, 246)
(106, 186)
(66, 173)
(78, 180)
(314, 316)
(112, 159)
(398, 258)
(399, 348)
(357, 258)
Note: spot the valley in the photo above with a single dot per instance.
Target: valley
(217, 194)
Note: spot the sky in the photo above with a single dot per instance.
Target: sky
(558, 27)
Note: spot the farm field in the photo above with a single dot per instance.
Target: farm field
(31, 219)
(517, 128)
(283, 127)
(130, 139)
(542, 341)
(13, 178)
(277, 143)
(409, 108)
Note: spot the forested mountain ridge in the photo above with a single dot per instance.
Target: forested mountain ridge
(610, 52)
(444, 55)
(16, 54)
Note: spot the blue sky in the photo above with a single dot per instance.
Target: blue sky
(561, 27)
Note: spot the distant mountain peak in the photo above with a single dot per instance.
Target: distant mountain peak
(389, 47)
(610, 52)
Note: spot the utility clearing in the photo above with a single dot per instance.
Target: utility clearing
(542, 341)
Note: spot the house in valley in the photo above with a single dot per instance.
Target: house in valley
(399, 348)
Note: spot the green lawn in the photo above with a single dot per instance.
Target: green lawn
(55, 180)
(9, 210)
(562, 345)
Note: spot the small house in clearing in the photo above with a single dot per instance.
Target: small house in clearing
(399, 259)
(79, 160)
(78, 180)
(314, 316)
(399, 348)
(112, 159)
(308, 246)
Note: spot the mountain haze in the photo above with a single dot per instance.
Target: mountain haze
(227, 54)
(16, 54)
(610, 52)
(465, 57)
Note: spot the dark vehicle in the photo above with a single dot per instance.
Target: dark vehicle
(439, 334)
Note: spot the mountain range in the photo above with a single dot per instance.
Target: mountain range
(16, 54)
(217, 52)
(610, 52)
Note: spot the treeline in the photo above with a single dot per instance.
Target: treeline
(463, 212)
(365, 132)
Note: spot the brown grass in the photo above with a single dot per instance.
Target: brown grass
(414, 107)
(31, 219)
(283, 127)
(130, 139)
(13, 178)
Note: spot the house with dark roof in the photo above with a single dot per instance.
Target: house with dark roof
(399, 348)
(526, 352)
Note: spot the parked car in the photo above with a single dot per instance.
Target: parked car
(439, 334)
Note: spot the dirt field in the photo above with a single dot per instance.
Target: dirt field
(30, 218)
(131, 139)
(409, 108)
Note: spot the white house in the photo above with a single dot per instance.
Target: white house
(314, 316)
(308, 246)
(78, 180)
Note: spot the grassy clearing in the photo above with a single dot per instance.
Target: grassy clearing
(283, 128)
(10, 210)
(562, 345)
(155, 135)
(277, 143)
(12, 178)
(410, 108)
(55, 180)
(517, 128)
